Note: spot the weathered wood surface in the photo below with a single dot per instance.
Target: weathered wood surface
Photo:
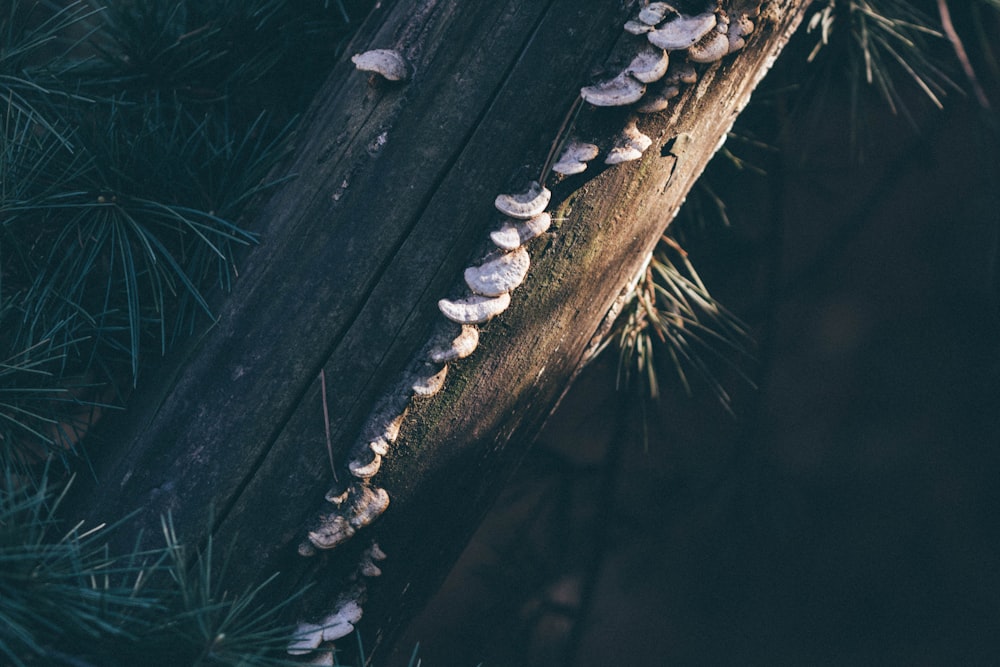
(393, 198)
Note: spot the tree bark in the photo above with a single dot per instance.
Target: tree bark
(393, 198)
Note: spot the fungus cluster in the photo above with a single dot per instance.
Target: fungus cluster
(347, 611)
(651, 79)
(652, 76)
(354, 503)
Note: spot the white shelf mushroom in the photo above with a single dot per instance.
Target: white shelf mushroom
(369, 569)
(682, 32)
(709, 48)
(474, 309)
(575, 157)
(367, 566)
(379, 446)
(341, 622)
(655, 12)
(336, 625)
(499, 275)
(524, 205)
(680, 72)
(649, 65)
(391, 430)
(512, 235)
(367, 466)
(429, 385)
(659, 100)
(336, 495)
(307, 638)
(384, 423)
(460, 347)
(631, 145)
(375, 552)
(638, 27)
(617, 92)
(336, 631)
(371, 502)
(348, 611)
(385, 62)
(381, 438)
(334, 529)
(739, 29)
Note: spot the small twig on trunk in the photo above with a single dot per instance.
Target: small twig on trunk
(326, 422)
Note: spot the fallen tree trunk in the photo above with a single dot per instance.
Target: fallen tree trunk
(393, 198)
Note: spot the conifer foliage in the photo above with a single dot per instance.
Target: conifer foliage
(133, 137)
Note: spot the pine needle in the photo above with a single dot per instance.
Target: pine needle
(672, 310)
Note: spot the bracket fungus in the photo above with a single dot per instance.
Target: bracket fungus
(391, 430)
(511, 235)
(679, 73)
(336, 495)
(474, 309)
(428, 385)
(367, 465)
(630, 146)
(524, 205)
(655, 12)
(385, 62)
(709, 48)
(649, 65)
(368, 504)
(379, 442)
(375, 552)
(370, 569)
(575, 157)
(682, 32)
(499, 275)
(659, 100)
(367, 566)
(617, 92)
(638, 27)
(333, 529)
(348, 611)
(363, 505)
(307, 638)
(337, 630)
(459, 347)
(739, 29)
(387, 417)
(379, 446)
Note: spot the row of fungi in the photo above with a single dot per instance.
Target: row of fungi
(650, 80)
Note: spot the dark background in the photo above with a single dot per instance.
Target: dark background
(848, 514)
